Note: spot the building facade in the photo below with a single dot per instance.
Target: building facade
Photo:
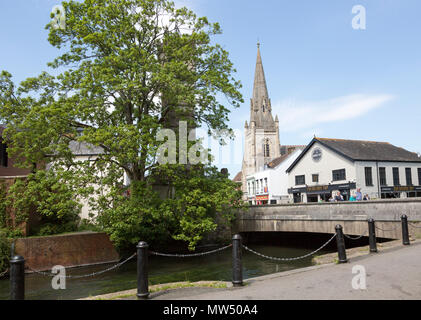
(270, 186)
(378, 169)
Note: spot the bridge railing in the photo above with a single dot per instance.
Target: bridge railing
(17, 263)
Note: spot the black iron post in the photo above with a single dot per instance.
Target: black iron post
(340, 241)
(237, 266)
(405, 232)
(372, 235)
(17, 278)
(142, 270)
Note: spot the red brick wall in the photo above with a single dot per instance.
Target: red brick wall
(72, 250)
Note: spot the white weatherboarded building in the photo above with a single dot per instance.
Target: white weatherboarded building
(270, 186)
(379, 169)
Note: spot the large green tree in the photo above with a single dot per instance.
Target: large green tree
(127, 69)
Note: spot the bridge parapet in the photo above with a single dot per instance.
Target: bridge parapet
(322, 217)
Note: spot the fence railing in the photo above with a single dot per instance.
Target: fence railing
(17, 263)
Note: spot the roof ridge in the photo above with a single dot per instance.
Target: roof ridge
(336, 139)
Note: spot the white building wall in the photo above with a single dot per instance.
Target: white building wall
(329, 161)
(355, 172)
(374, 191)
(277, 180)
(86, 209)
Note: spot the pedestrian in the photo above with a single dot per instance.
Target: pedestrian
(339, 197)
(358, 195)
(352, 198)
(366, 197)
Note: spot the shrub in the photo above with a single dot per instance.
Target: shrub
(4, 251)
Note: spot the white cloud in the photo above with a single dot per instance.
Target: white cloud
(294, 116)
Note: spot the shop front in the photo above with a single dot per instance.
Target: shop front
(316, 192)
(263, 199)
(323, 192)
(396, 192)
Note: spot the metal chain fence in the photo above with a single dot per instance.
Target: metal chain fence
(4, 273)
(387, 230)
(355, 238)
(85, 275)
(289, 259)
(189, 255)
(414, 226)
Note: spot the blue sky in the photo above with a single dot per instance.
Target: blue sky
(323, 77)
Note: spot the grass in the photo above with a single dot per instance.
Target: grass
(168, 286)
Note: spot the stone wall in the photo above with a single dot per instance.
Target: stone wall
(323, 217)
(70, 250)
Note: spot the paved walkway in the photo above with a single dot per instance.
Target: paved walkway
(392, 274)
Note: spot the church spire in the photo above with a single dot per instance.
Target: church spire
(260, 103)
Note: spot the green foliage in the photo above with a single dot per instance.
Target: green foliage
(3, 213)
(49, 194)
(88, 225)
(4, 250)
(191, 204)
(122, 76)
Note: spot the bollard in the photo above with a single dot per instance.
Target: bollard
(17, 278)
(405, 232)
(372, 235)
(237, 266)
(340, 241)
(142, 270)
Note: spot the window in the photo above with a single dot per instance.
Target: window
(396, 181)
(338, 175)
(368, 176)
(3, 155)
(408, 173)
(419, 176)
(266, 149)
(382, 174)
(300, 180)
(315, 178)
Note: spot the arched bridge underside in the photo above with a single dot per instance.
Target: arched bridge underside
(323, 217)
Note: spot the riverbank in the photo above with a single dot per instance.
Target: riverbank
(215, 290)
(162, 289)
(392, 274)
(414, 237)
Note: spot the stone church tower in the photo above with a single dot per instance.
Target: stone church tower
(262, 134)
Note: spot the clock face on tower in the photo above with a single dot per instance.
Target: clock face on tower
(316, 154)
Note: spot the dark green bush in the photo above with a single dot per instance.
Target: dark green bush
(4, 251)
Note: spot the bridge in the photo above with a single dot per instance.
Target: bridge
(323, 217)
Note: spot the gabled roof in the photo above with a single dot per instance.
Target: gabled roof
(238, 177)
(84, 149)
(358, 150)
(278, 161)
(284, 149)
